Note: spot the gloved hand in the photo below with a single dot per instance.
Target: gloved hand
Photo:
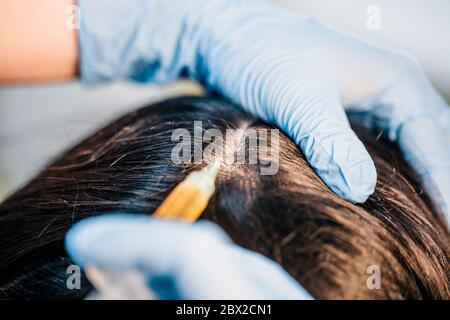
(286, 68)
(180, 261)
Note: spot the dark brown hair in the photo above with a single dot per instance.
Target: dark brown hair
(326, 243)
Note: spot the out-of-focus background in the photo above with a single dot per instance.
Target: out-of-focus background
(37, 122)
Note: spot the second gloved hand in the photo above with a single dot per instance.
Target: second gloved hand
(288, 69)
(178, 260)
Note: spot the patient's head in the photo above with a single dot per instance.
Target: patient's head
(332, 247)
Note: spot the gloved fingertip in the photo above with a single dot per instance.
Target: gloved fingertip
(358, 182)
(80, 238)
(346, 167)
(76, 240)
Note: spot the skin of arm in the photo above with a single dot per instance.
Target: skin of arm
(36, 41)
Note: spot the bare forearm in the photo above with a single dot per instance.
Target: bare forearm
(36, 44)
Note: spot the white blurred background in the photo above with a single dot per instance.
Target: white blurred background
(38, 122)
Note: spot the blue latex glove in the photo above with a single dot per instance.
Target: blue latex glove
(180, 261)
(286, 68)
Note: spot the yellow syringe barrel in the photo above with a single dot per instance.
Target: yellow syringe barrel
(188, 199)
